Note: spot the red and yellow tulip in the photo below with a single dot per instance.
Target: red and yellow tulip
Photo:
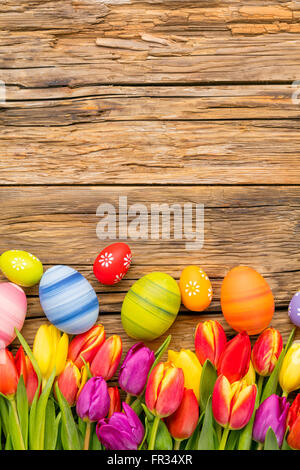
(86, 345)
(266, 351)
(293, 422)
(69, 382)
(210, 341)
(107, 359)
(115, 401)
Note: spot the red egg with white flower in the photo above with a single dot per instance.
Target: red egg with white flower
(112, 263)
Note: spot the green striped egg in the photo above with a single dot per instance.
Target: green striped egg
(150, 306)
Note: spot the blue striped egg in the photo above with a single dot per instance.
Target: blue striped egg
(68, 300)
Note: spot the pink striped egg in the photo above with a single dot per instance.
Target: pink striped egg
(13, 307)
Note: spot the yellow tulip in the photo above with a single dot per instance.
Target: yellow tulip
(50, 349)
(289, 377)
(189, 363)
(250, 376)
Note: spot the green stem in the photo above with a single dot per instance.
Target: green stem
(224, 439)
(153, 433)
(177, 444)
(260, 383)
(285, 394)
(87, 436)
(128, 399)
(15, 412)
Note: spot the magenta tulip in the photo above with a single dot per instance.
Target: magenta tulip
(135, 369)
(93, 401)
(272, 413)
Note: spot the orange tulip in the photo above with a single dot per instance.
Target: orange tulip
(210, 341)
(233, 404)
(8, 373)
(164, 389)
(266, 351)
(86, 345)
(183, 422)
(115, 401)
(107, 359)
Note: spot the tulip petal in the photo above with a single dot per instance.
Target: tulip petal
(242, 407)
(221, 400)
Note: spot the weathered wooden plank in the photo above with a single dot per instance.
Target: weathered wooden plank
(146, 152)
(98, 104)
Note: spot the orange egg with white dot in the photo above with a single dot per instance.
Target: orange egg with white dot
(196, 289)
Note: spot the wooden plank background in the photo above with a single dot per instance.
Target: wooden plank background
(160, 101)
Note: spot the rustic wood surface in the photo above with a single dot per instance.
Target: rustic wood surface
(160, 101)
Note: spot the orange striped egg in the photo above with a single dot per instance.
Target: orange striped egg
(247, 301)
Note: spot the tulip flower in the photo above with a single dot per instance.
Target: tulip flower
(50, 349)
(8, 374)
(20, 362)
(122, 431)
(250, 376)
(210, 341)
(69, 382)
(192, 369)
(235, 359)
(115, 401)
(289, 376)
(183, 422)
(86, 345)
(135, 369)
(164, 393)
(31, 381)
(106, 361)
(272, 413)
(293, 422)
(266, 351)
(232, 404)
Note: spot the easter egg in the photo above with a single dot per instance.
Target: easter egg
(195, 288)
(112, 263)
(150, 306)
(247, 301)
(21, 268)
(68, 300)
(13, 307)
(294, 309)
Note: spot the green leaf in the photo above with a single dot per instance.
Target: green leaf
(22, 407)
(163, 439)
(271, 441)
(245, 439)
(29, 354)
(89, 374)
(14, 427)
(4, 415)
(285, 445)
(51, 426)
(191, 443)
(207, 382)
(206, 439)
(150, 417)
(160, 351)
(271, 385)
(8, 444)
(232, 440)
(145, 435)
(40, 414)
(69, 432)
(95, 444)
(32, 415)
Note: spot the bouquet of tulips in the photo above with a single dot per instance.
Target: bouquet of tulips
(57, 396)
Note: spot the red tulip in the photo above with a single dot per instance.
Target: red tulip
(86, 345)
(31, 382)
(164, 389)
(8, 373)
(235, 359)
(210, 341)
(107, 359)
(20, 362)
(293, 422)
(266, 351)
(69, 382)
(233, 404)
(115, 401)
(183, 422)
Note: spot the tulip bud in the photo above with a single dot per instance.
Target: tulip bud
(293, 422)
(115, 401)
(86, 345)
(192, 369)
(266, 351)
(69, 382)
(183, 422)
(135, 369)
(164, 389)
(50, 349)
(210, 341)
(272, 413)
(31, 382)
(289, 376)
(93, 401)
(122, 431)
(8, 373)
(233, 404)
(20, 362)
(107, 359)
(235, 359)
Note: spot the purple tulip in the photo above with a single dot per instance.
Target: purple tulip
(135, 369)
(122, 431)
(93, 401)
(272, 413)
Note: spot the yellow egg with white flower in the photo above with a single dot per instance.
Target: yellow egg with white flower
(196, 289)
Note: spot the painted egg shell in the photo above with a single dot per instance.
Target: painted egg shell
(246, 300)
(13, 307)
(21, 267)
(112, 263)
(150, 306)
(68, 300)
(195, 288)
(294, 309)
